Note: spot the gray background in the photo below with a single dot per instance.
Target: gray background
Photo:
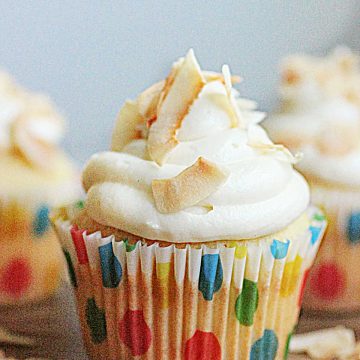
(89, 56)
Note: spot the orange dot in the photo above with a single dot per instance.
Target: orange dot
(51, 277)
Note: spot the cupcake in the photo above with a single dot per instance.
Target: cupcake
(196, 232)
(319, 115)
(35, 175)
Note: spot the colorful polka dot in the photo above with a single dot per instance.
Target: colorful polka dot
(79, 204)
(240, 250)
(287, 345)
(327, 281)
(202, 346)
(163, 273)
(16, 278)
(129, 247)
(41, 222)
(95, 318)
(111, 270)
(290, 276)
(80, 248)
(319, 217)
(211, 275)
(315, 234)
(135, 333)
(302, 287)
(247, 303)
(70, 268)
(279, 249)
(353, 229)
(266, 347)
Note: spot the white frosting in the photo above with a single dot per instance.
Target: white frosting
(262, 195)
(320, 109)
(38, 117)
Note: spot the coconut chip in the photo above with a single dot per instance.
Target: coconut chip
(333, 343)
(188, 188)
(126, 126)
(258, 139)
(236, 115)
(180, 91)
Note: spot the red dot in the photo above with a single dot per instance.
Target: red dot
(327, 281)
(203, 346)
(134, 332)
(302, 288)
(16, 278)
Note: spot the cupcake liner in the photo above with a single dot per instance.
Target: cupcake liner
(31, 265)
(334, 282)
(237, 299)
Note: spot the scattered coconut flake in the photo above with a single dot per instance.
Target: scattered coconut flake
(180, 91)
(259, 140)
(214, 76)
(236, 118)
(148, 100)
(126, 126)
(338, 342)
(188, 188)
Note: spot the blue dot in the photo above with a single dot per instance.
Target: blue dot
(279, 249)
(353, 230)
(315, 234)
(111, 269)
(266, 347)
(41, 222)
(211, 275)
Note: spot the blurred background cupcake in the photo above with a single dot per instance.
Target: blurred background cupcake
(319, 115)
(35, 175)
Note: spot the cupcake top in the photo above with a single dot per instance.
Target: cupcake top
(33, 168)
(320, 115)
(189, 163)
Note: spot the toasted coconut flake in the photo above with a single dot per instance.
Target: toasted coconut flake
(189, 187)
(149, 99)
(338, 342)
(28, 140)
(126, 126)
(236, 116)
(214, 76)
(180, 90)
(258, 139)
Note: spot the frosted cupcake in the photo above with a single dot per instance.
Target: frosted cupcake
(35, 175)
(320, 116)
(196, 232)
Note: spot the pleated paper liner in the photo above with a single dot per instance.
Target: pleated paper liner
(234, 300)
(334, 282)
(31, 265)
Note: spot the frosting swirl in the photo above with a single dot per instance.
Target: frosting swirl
(320, 115)
(30, 128)
(261, 194)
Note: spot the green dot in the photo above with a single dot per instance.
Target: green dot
(247, 303)
(79, 204)
(129, 247)
(319, 217)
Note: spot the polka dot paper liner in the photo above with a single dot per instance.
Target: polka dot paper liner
(238, 299)
(30, 262)
(334, 283)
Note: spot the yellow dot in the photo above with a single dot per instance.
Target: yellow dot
(163, 270)
(290, 276)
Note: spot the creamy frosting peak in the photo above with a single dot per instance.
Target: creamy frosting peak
(190, 163)
(319, 114)
(30, 127)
